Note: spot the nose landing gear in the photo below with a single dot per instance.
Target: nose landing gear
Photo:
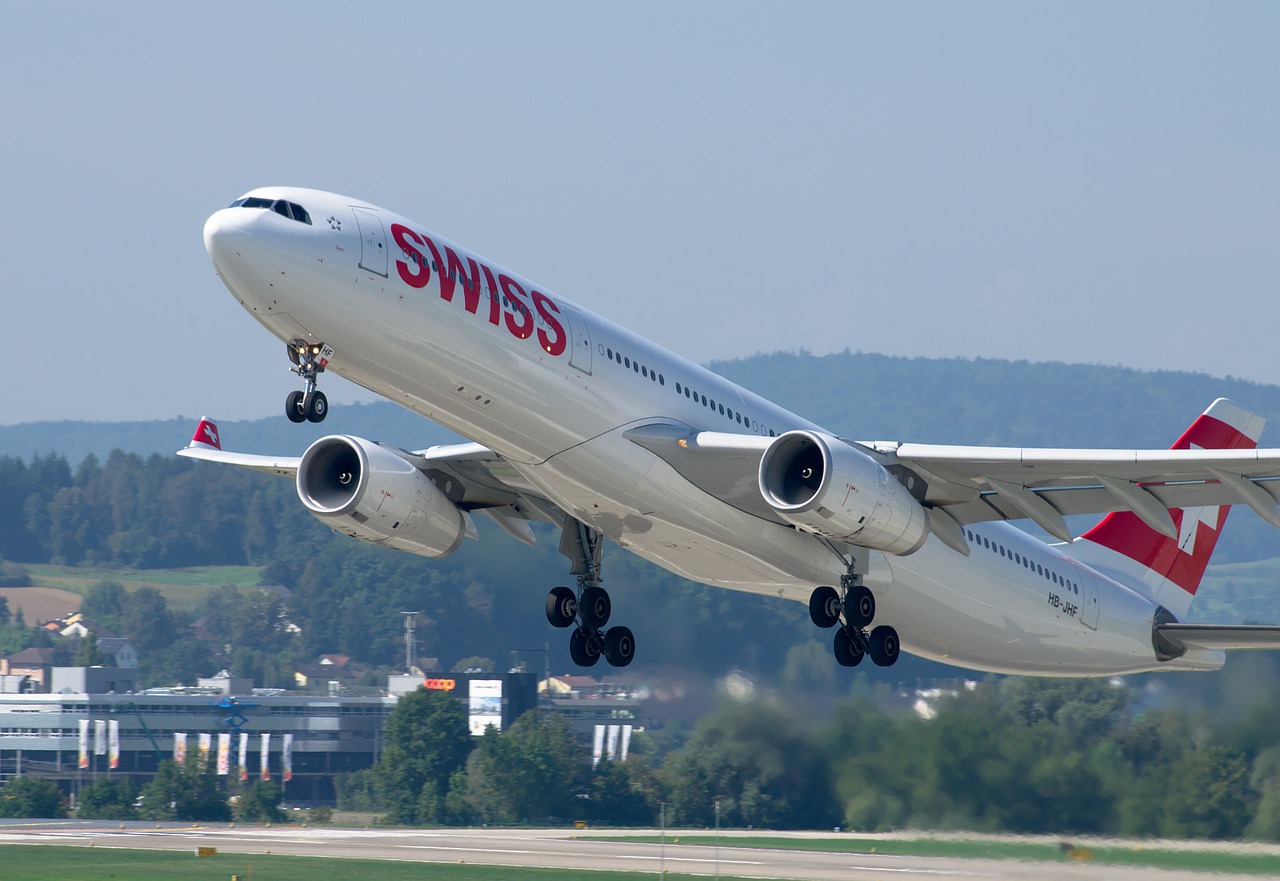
(309, 361)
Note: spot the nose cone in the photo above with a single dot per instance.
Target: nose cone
(227, 229)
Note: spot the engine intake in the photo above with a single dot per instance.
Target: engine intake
(370, 492)
(822, 485)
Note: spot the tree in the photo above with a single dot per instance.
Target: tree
(530, 772)
(107, 799)
(184, 792)
(764, 769)
(104, 604)
(32, 797)
(425, 741)
(260, 803)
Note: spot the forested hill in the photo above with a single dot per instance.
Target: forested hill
(983, 401)
(861, 396)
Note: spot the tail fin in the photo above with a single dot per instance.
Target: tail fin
(1168, 570)
(206, 435)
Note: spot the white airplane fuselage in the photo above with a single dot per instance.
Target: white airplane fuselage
(551, 387)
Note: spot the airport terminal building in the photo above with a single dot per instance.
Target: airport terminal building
(302, 741)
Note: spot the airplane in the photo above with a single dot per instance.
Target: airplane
(578, 422)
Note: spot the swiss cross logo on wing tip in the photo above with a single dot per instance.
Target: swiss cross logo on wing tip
(208, 433)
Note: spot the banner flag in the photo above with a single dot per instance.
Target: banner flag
(611, 750)
(286, 759)
(244, 755)
(84, 743)
(206, 743)
(626, 743)
(265, 764)
(113, 744)
(99, 737)
(597, 746)
(180, 747)
(224, 754)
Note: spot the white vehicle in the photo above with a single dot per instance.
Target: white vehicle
(581, 423)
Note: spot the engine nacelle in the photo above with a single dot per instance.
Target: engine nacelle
(822, 485)
(369, 492)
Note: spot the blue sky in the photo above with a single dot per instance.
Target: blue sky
(1083, 182)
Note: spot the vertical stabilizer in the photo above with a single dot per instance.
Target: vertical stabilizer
(1169, 570)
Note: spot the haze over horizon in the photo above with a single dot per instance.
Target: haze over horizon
(1059, 182)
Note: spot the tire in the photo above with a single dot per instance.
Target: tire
(619, 646)
(562, 607)
(584, 652)
(824, 607)
(595, 606)
(860, 607)
(293, 407)
(317, 408)
(848, 652)
(884, 647)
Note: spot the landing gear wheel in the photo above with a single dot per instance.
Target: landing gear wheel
(595, 606)
(293, 407)
(884, 647)
(317, 407)
(848, 652)
(619, 646)
(562, 607)
(859, 606)
(824, 607)
(583, 649)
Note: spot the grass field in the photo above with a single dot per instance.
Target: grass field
(1135, 855)
(32, 862)
(183, 589)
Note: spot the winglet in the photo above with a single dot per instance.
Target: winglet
(206, 435)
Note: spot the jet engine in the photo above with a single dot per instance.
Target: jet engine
(822, 485)
(374, 494)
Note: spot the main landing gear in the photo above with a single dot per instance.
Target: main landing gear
(309, 361)
(589, 606)
(856, 604)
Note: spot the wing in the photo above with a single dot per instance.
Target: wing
(1221, 636)
(975, 484)
(472, 476)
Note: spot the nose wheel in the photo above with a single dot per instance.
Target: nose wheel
(309, 361)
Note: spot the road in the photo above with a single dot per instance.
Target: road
(561, 849)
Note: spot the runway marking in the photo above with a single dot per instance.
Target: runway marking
(915, 871)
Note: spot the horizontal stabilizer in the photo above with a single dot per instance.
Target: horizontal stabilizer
(1222, 636)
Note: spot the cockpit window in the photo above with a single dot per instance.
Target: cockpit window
(291, 210)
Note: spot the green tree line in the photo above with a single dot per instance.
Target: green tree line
(1020, 755)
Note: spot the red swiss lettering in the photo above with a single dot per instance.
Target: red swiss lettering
(546, 307)
(470, 282)
(420, 273)
(442, 274)
(519, 318)
(495, 306)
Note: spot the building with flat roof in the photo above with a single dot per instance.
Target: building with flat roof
(40, 734)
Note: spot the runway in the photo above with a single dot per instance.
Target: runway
(563, 849)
